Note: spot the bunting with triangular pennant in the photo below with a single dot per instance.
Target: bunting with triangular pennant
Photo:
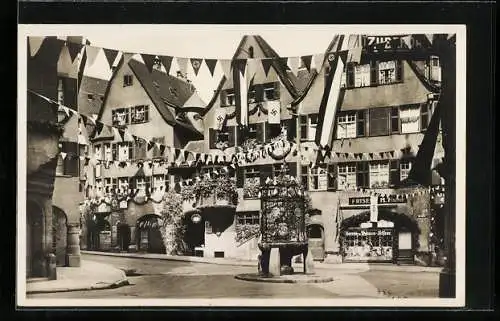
(307, 62)
(182, 63)
(211, 63)
(149, 61)
(166, 61)
(110, 56)
(74, 49)
(196, 64)
(34, 44)
(266, 64)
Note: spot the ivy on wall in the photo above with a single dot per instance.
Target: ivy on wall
(173, 228)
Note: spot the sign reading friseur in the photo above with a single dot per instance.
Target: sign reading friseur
(388, 199)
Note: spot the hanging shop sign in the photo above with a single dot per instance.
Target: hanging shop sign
(373, 209)
(386, 199)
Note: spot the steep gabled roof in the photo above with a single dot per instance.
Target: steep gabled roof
(164, 90)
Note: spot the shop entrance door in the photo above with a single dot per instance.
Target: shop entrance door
(405, 253)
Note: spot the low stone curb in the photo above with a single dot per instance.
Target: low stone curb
(96, 286)
(320, 266)
(290, 279)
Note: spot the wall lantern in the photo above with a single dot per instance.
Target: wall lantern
(196, 218)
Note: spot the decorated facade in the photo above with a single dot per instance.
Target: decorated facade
(348, 123)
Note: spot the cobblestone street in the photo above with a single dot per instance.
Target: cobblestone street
(173, 279)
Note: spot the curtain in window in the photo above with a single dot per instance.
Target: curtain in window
(379, 121)
(410, 119)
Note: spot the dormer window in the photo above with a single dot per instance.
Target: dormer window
(127, 80)
(231, 99)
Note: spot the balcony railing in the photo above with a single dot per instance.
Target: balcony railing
(210, 193)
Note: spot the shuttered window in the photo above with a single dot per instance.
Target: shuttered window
(379, 121)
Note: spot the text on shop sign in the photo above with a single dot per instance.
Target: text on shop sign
(381, 200)
(368, 233)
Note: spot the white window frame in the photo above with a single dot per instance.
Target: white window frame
(120, 116)
(140, 183)
(99, 151)
(346, 176)
(384, 66)
(108, 151)
(144, 109)
(362, 75)
(122, 157)
(379, 173)
(404, 170)
(346, 125)
(321, 174)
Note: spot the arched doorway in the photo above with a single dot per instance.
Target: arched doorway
(35, 264)
(149, 237)
(59, 235)
(316, 241)
(393, 238)
(195, 235)
(123, 236)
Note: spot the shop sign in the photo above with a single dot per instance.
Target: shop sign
(369, 232)
(373, 209)
(387, 199)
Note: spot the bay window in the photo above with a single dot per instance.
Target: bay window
(346, 125)
(379, 174)
(346, 176)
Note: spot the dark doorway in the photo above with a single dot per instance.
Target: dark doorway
(149, 236)
(316, 241)
(195, 236)
(123, 231)
(94, 229)
(35, 263)
(59, 235)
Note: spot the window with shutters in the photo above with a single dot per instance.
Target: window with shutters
(346, 125)
(379, 121)
(404, 169)
(410, 119)
(139, 114)
(251, 182)
(346, 176)
(379, 174)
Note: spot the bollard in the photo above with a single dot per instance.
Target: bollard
(51, 267)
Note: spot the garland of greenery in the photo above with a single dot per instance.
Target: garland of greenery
(173, 228)
(245, 232)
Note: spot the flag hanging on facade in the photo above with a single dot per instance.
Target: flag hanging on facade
(219, 118)
(332, 97)
(240, 91)
(274, 112)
